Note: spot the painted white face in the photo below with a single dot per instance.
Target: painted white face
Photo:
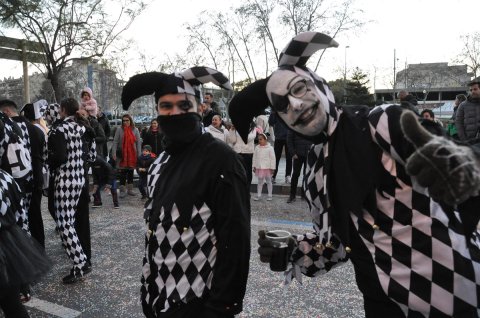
(298, 102)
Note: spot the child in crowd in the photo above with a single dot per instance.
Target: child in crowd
(264, 165)
(143, 163)
(104, 176)
(87, 102)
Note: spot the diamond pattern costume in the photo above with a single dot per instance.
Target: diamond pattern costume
(413, 256)
(65, 141)
(197, 245)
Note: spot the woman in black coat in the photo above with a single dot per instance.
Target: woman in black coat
(153, 137)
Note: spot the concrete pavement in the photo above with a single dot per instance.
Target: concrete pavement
(112, 289)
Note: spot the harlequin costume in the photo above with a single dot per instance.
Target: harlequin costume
(413, 256)
(66, 157)
(197, 245)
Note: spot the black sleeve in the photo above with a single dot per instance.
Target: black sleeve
(291, 142)
(231, 206)
(99, 133)
(106, 129)
(37, 142)
(57, 149)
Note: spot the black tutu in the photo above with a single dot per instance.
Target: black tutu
(22, 259)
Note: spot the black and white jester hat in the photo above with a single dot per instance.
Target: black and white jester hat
(52, 113)
(33, 111)
(255, 98)
(187, 82)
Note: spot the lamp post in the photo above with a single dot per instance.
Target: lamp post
(345, 77)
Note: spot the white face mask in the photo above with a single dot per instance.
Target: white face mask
(298, 102)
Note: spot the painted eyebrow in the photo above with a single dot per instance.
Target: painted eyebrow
(289, 83)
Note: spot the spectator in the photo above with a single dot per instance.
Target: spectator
(263, 166)
(198, 240)
(451, 128)
(467, 118)
(153, 137)
(88, 102)
(105, 124)
(143, 163)
(409, 102)
(126, 147)
(298, 148)
(208, 112)
(432, 124)
(217, 130)
(104, 177)
(245, 150)
(280, 145)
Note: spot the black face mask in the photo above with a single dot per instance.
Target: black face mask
(179, 130)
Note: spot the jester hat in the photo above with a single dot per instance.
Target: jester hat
(255, 98)
(185, 82)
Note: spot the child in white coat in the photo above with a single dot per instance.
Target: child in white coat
(264, 166)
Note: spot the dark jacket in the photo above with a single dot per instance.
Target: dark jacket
(279, 128)
(100, 139)
(297, 145)
(154, 140)
(467, 120)
(103, 172)
(144, 162)
(207, 118)
(103, 121)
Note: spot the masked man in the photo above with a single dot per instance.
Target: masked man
(413, 243)
(197, 244)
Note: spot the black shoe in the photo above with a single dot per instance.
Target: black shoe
(87, 269)
(97, 205)
(291, 199)
(70, 279)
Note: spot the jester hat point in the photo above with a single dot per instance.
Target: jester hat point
(255, 98)
(185, 82)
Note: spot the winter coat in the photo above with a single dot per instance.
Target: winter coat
(237, 143)
(118, 142)
(154, 140)
(279, 128)
(103, 121)
(264, 157)
(144, 162)
(467, 120)
(89, 105)
(297, 145)
(220, 134)
(208, 116)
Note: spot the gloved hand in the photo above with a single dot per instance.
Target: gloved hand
(450, 172)
(267, 251)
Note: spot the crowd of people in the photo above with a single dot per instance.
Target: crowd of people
(388, 188)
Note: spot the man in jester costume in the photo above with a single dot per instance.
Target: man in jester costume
(197, 243)
(402, 205)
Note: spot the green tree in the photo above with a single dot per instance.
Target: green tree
(69, 29)
(357, 89)
(338, 89)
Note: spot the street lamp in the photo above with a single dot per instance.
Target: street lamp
(424, 97)
(345, 77)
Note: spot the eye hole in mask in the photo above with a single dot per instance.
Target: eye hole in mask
(298, 90)
(182, 104)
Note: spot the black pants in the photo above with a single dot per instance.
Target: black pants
(126, 176)
(194, 309)
(35, 220)
(247, 159)
(278, 148)
(82, 222)
(11, 305)
(297, 167)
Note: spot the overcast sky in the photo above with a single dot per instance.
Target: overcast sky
(421, 31)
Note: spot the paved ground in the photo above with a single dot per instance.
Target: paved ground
(112, 289)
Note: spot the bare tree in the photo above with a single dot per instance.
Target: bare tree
(470, 52)
(69, 28)
(200, 33)
(262, 13)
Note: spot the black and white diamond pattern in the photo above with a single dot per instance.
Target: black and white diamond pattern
(51, 113)
(421, 256)
(201, 75)
(69, 181)
(302, 46)
(183, 259)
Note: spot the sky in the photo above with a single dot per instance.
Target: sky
(420, 31)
